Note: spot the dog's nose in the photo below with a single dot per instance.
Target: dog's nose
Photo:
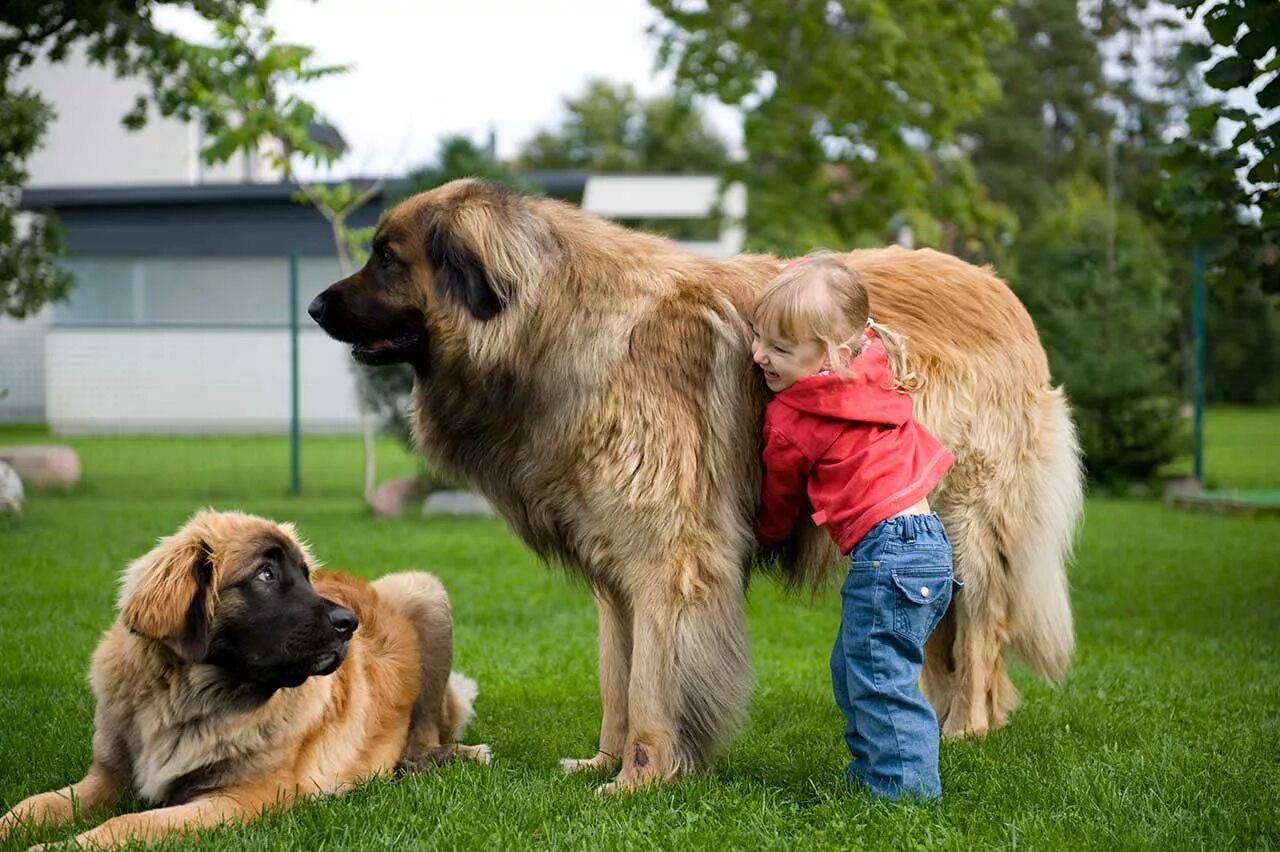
(344, 621)
(316, 308)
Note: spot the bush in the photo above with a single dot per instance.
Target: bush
(1097, 284)
(1242, 344)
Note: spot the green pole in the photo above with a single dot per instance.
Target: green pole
(1198, 362)
(295, 437)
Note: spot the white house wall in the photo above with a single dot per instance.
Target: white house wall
(194, 381)
(86, 145)
(22, 381)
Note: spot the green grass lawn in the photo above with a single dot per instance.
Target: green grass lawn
(1242, 448)
(1165, 735)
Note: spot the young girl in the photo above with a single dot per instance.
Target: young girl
(839, 435)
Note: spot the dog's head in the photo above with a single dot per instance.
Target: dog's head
(444, 265)
(234, 591)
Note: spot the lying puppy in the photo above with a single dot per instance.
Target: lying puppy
(234, 680)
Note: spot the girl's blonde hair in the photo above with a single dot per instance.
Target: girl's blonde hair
(818, 298)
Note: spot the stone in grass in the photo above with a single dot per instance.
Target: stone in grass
(456, 503)
(391, 497)
(10, 491)
(43, 466)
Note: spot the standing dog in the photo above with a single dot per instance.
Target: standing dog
(235, 680)
(596, 384)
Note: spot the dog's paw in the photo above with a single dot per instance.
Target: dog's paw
(481, 753)
(571, 765)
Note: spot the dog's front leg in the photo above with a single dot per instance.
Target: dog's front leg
(235, 804)
(615, 677)
(97, 790)
(649, 751)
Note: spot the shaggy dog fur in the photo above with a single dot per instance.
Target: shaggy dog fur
(222, 688)
(596, 385)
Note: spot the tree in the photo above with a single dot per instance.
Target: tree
(1049, 123)
(1096, 281)
(1235, 221)
(609, 129)
(120, 34)
(30, 245)
(850, 112)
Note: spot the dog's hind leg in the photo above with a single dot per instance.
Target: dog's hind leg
(97, 790)
(964, 676)
(615, 675)
(444, 702)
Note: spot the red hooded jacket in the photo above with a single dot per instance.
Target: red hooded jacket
(851, 447)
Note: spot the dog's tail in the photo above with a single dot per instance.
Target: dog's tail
(1039, 601)
(459, 706)
(712, 675)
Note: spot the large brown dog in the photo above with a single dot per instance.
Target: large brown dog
(596, 384)
(222, 688)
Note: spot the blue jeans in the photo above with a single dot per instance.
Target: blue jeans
(898, 589)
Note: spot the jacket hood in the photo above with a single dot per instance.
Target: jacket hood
(865, 396)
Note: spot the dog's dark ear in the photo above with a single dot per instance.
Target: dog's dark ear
(461, 275)
(167, 594)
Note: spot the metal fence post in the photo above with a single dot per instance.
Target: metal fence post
(1198, 363)
(295, 431)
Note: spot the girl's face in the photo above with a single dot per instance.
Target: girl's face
(785, 362)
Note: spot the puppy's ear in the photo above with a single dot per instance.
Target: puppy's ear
(167, 594)
(461, 275)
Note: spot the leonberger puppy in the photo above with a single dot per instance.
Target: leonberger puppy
(236, 679)
(596, 384)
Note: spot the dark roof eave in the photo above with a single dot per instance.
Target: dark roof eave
(557, 183)
(128, 196)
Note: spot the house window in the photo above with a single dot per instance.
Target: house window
(190, 291)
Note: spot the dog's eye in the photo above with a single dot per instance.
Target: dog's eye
(387, 257)
(266, 575)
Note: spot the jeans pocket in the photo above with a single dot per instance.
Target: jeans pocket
(920, 600)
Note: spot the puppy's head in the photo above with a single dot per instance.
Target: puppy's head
(447, 268)
(234, 591)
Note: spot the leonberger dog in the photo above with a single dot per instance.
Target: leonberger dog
(596, 384)
(236, 679)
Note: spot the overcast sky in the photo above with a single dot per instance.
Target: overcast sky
(422, 69)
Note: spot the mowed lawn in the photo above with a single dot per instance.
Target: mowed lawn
(1165, 735)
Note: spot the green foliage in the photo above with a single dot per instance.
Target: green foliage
(608, 128)
(30, 243)
(1048, 123)
(1241, 246)
(244, 88)
(850, 112)
(1097, 284)
(1242, 346)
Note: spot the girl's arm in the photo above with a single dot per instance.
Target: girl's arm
(783, 493)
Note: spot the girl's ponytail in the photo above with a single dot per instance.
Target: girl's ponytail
(895, 348)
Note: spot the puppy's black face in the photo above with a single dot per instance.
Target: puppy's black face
(272, 630)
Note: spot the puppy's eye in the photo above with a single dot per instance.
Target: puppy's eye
(266, 575)
(387, 257)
